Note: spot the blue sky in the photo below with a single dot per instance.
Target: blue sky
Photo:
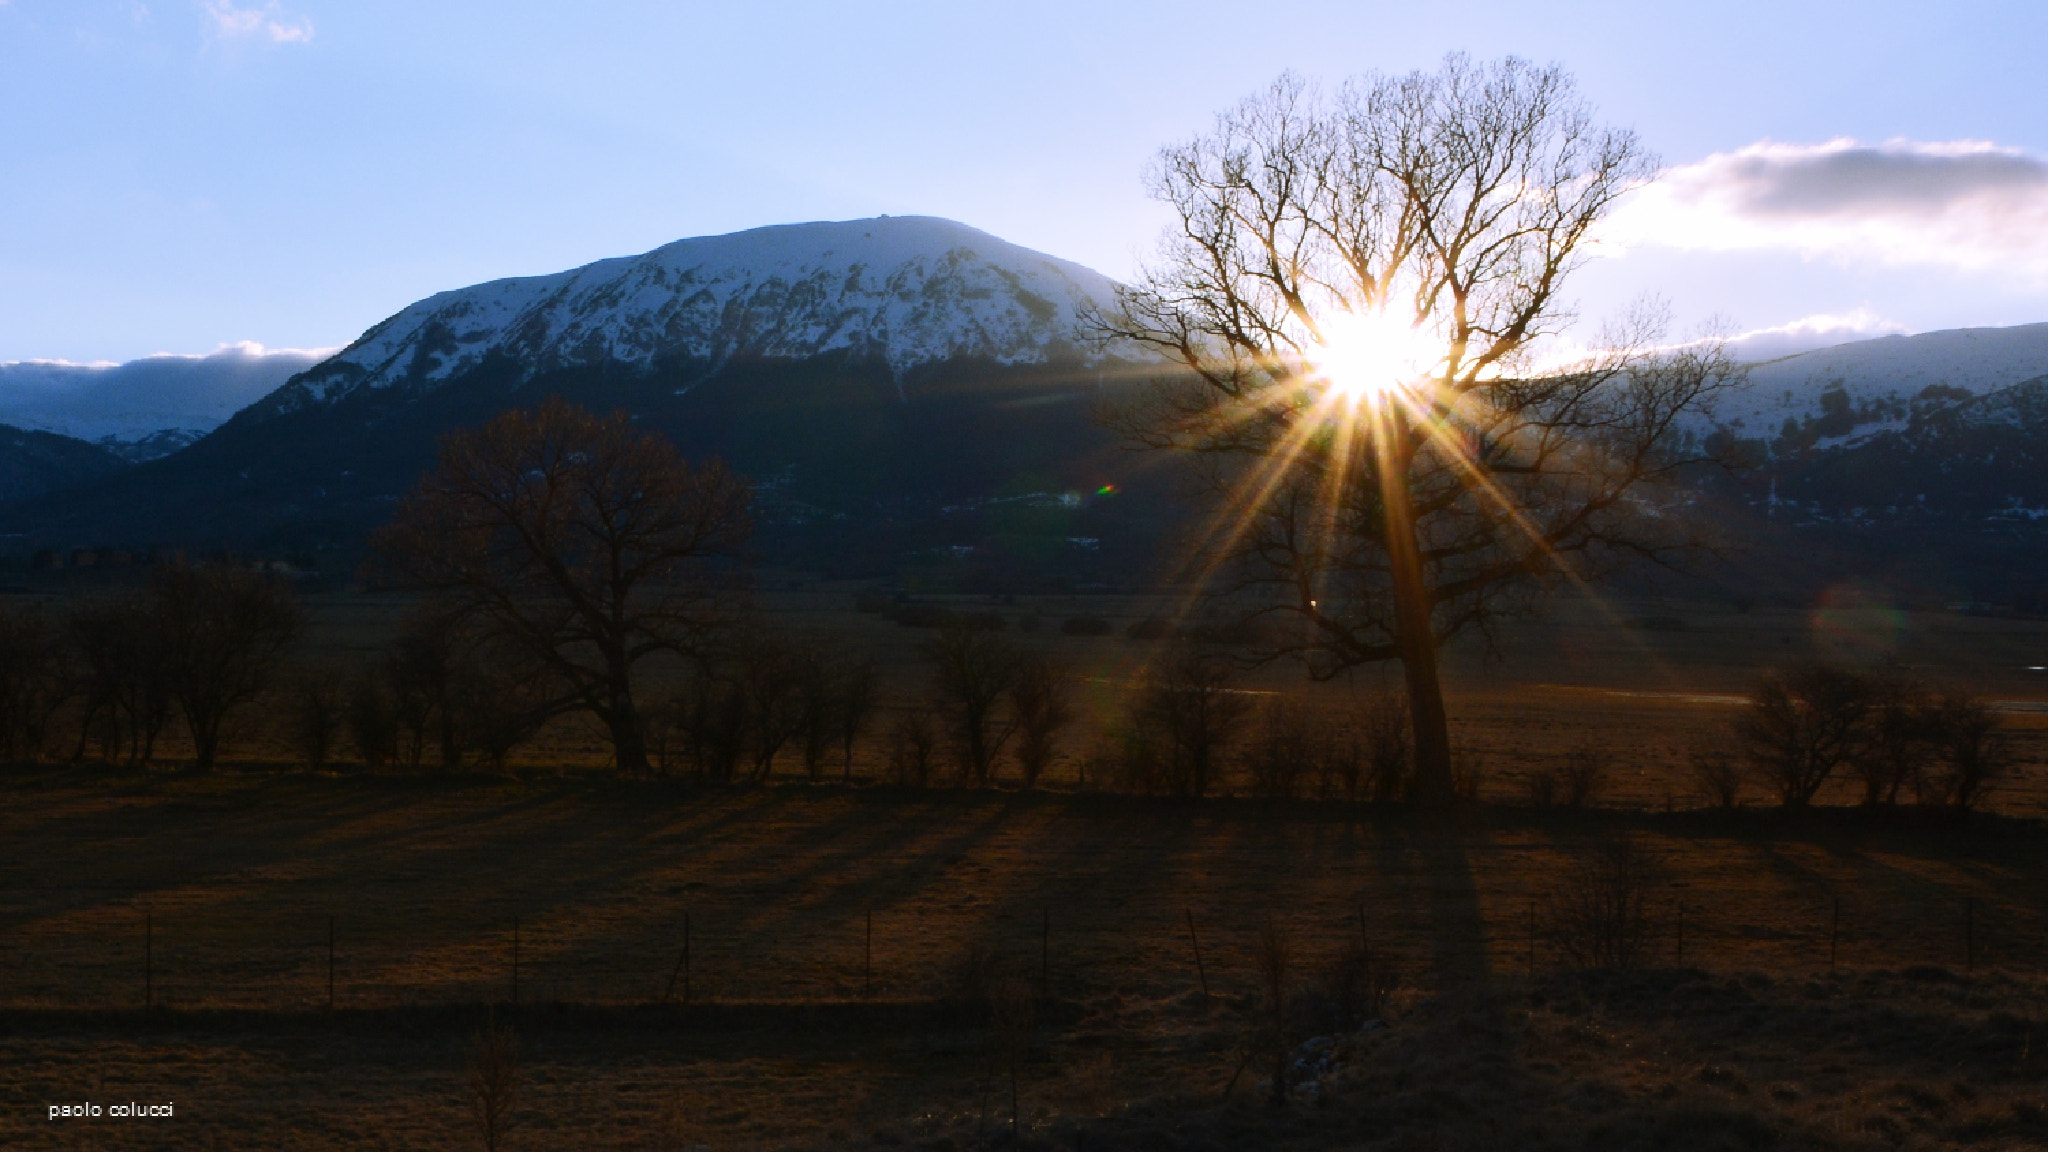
(179, 174)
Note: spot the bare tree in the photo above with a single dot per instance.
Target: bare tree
(225, 633)
(494, 1084)
(1803, 724)
(1186, 715)
(1039, 699)
(1356, 287)
(371, 720)
(1902, 741)
(588, 543)
(124, 674)
(35, 680)
(1601, 912)
(913, 745)
(1973, 753)
(315, 714)
(973, 669)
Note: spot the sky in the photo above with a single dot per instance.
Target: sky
(177, 175)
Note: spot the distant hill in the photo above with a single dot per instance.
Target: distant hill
(144, 408)
(33, 463)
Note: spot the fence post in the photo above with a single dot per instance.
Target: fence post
(1045, 950)
(515, 961)
(1834, 932)
(1531, 959)
(1201, 973)
(867, 960)
(1680, 962)
(330, 962)
(1969, 935)
(148, 959)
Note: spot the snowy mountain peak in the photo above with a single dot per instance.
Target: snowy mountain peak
(905, 290)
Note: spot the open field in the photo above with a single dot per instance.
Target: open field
(1926, 1033)
(238, 876)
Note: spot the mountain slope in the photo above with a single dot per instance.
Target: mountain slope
(1881, 377)
(33, 462)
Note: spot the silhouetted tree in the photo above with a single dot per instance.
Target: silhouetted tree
(315, 714)
(226, 631)
(371, 720)
(1187, 715)
(590, 544)
(1354, 286)
(1973, 754)
(1901, 741)
(35, 680)
(973, 669)
(123, 649)
(1803, 724)
(1039, 700)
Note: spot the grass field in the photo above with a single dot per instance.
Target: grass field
(1926, 1032)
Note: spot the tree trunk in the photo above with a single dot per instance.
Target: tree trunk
(1415, 633)
(628, 748)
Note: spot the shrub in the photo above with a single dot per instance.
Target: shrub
(1541, 786)
(1187, 716)
(1718, 774)
(1973, 755)
(1283, 749)
(913, 746)
(1388, 747)
(1039, 700)
(1803, 724)
(1600, 913)
(1900, 744)
(1584, 777)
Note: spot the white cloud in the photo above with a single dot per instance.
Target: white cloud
(269, 21)
(1821, 330)
(1965, 204)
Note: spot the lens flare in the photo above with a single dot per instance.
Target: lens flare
(1368, 357)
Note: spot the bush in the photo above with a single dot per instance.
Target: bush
(1584, 777)
(1600, 914)
(1805, 723)
(1085, 626)
(1718, 774)
(1388, 747)
(1972, 754)
(913, 746)
(1284, 748)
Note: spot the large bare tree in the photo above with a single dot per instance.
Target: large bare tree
(1358, 285)
(590, 544)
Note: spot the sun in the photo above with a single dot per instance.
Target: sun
(1368, 357)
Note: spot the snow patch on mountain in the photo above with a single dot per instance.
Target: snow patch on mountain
(906, 290)
(1881, 377)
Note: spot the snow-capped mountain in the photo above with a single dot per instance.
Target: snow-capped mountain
(144, 408)
(904, 290)
(1878, 379)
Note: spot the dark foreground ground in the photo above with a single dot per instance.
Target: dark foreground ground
(212, 899)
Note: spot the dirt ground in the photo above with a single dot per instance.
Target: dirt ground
(1847, 979)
